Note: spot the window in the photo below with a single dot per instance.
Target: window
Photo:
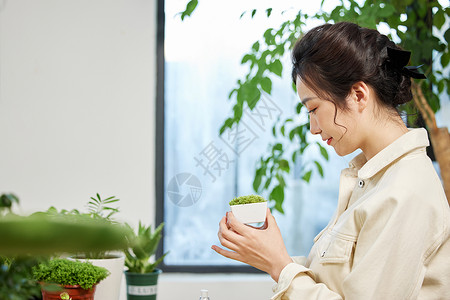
(198, 171)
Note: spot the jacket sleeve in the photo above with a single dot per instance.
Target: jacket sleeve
(396, 239)
(298, 282)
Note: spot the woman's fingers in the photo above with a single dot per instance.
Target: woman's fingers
(226, 243)
(235, 225)
(262, 248)
(226, 253)
(227, 237)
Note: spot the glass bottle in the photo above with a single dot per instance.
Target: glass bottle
(204, 295)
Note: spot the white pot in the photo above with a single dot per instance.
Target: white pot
(250, 213)
(109, 288)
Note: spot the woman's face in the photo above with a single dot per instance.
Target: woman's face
(335, 126)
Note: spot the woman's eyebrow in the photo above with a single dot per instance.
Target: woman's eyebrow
(307, 99)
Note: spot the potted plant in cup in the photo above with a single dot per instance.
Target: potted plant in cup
(142, 274)
(249, 209)
(68, 279)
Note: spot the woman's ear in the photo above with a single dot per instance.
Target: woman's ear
(360, 95)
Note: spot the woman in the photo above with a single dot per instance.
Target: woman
(389, 237)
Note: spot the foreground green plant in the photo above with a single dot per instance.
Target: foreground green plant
(68, 272)
(43, 234)
(16, 278)
(144, 246)
(6, 203)
(29, 240)
(98, 210)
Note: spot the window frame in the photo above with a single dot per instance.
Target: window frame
(159, 160)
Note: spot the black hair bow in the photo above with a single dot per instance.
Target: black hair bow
(398, 59)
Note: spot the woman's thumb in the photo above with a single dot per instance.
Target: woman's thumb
(270, 219)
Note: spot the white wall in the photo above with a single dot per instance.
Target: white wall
(77, 98)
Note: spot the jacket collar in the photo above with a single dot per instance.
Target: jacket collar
(414, 139)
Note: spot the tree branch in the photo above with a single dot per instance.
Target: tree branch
(423, 106)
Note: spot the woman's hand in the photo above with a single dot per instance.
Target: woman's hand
(261, 248)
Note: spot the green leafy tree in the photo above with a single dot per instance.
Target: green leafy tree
(410, 21)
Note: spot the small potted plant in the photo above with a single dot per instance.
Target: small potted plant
(101, 209)
(68, 279)
(249, 209)
(142, 274)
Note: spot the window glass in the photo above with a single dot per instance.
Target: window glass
(204, 171)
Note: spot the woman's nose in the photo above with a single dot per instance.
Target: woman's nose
(314, 127)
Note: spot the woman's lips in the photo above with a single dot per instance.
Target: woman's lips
(329, 141)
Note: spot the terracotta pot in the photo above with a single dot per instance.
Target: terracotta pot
(74, 292)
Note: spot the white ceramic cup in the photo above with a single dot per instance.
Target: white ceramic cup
(250, 213)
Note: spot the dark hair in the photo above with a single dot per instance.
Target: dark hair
(331, 58)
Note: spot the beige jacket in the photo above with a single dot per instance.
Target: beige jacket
(389, 238)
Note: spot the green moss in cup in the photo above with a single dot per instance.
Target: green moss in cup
(247, 199)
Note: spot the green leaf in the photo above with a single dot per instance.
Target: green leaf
(7, 200)
(292, 134)
(254, 95)
(299, 107)
(447, 36)
(307, 176)
(253, 13)
(284, 165)
(190, 7)
(231, 93)
(268, 36)
(277, 194)
(439, 19)
(281, 181)
(237, 112)
(266, 85)
(282, 129)
(228, 124)
(441, 86)
(323, 151)
(445, 59)
(319, 168)
(279, 206)
(269, 12)
(276, 67)
(386, 11)
(255, 46)
(268, 181)
(110, 201)
(278, 147)
(246, 58)
(95, 200)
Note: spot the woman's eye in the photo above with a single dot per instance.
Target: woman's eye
(312, 110)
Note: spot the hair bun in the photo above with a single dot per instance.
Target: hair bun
(404, 94)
